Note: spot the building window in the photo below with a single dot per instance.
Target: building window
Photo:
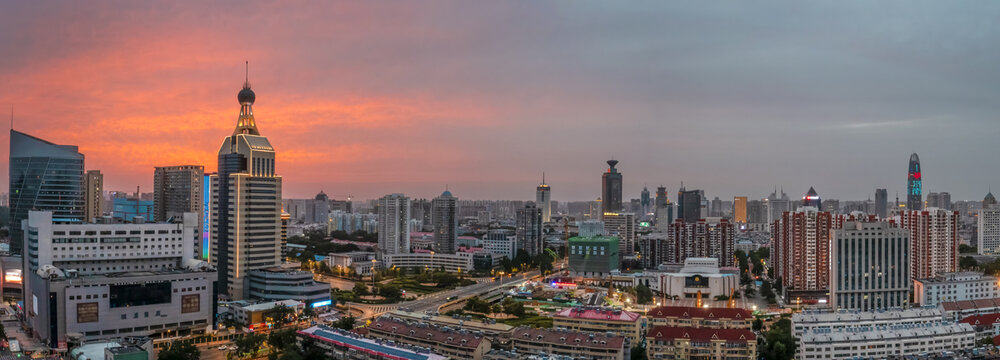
(86, 312)
(190, 303)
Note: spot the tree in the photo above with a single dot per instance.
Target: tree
(3, 333)
(249, 344)
(308, 312)
(780, 343)
(767, 292)
(643, 294)
(180, 351)
(967, 262)
(281, 315)
(478, 305)
(281, 339)
(361, 289)
(390, 291)
(513, 307)
(639, 352)
(758, 324)
(966, 249)
(345, 323)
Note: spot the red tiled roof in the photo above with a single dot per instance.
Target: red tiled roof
(700, 313)
(701, 334)
(569, 337)
(425, 333)
(996, 340)
(598, 314)
(983, 320)
(971, 304)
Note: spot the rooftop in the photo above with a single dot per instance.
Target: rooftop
(556, 336)
(371, 346)
(598, 314)
(437, 334)
(860, 316)
(971, 304)
(271, 305)
(985, 319)
(886, 332)
(701, 334)
(696, 312)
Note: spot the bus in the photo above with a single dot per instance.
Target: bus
(15, 346)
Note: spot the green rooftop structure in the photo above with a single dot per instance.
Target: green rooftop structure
(593, 256)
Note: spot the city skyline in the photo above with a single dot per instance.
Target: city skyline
(368, 107)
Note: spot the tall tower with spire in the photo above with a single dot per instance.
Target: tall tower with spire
(246, 203)
(611, 189)
(543, 199)
(914, 185)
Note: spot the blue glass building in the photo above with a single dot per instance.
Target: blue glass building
(127, 209)
(45, 177)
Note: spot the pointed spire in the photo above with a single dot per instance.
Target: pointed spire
(543, 178)
(246, 82)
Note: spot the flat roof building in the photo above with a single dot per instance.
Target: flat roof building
(572, 344)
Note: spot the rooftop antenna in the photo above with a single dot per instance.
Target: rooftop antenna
(12, 116)
(247, 81)
(543, 178)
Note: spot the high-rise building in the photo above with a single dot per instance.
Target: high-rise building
(177, 190)
(712, 238)
(870, 267)
(716, 208)
(611, 189)
(393, 224)
(740, 209)
(989, 201)
(644, 201)
(663, 209)
(914, 185)
(812, 199)
(756, 212)
(933, 241)
(881, 203)
(940, 200)
(689, 205)
(777, 204)
(445, 222)
(528, 222)
(43, 177)
(621, 226)
(832, 206)
(543, 199)
(801, 249)
(93, 195)
(246, 203)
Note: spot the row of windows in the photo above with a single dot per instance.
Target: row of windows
(117, 232)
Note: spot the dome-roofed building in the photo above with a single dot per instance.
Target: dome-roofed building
(322, 196)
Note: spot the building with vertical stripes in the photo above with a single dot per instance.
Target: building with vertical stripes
(869, 267)
(246, 204)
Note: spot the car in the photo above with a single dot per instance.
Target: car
(223, 348)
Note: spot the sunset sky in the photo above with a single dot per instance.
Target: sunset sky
(371, 97)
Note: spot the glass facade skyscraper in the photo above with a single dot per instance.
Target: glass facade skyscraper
(43, 176)
(914, 185)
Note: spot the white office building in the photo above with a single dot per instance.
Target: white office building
(114, 279)
(989, 231)
(881, 342)
(393, 224)
(869, 267)
(459, 262)
(500, 244)
(954, 286)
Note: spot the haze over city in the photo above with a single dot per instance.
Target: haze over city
(370, 98)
